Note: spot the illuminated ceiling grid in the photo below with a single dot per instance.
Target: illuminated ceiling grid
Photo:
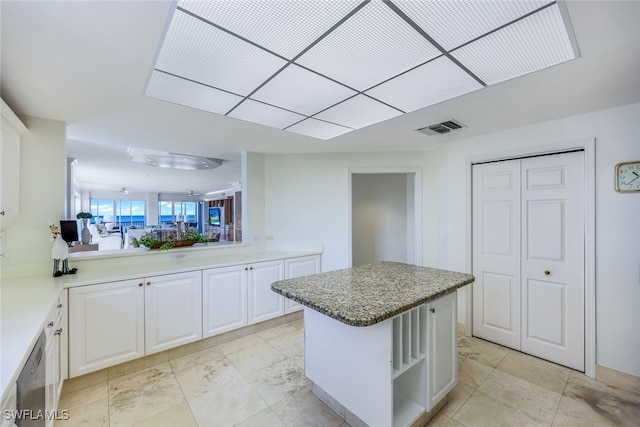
(325, 68)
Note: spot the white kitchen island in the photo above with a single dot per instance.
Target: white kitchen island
(380, 340)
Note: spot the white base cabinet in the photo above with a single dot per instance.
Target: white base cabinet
(106, 325)
(263, 303)
(299, 267)
(224, 299)
(351, 364)
(55, 355)
(172, 311)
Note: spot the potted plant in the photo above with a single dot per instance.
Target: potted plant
(85, 235)
(151, 241)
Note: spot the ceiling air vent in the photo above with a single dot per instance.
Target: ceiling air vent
(440, 128)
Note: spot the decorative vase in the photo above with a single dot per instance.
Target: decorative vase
(85, 235)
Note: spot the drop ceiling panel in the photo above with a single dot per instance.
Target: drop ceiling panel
(264, 114)
(302, 91)
(318, 129)
(529, 45)
(358, 112)
(373, 45)
(452, 23)
(437, 81)
(284, 27)
(184, 92)
(200, 52)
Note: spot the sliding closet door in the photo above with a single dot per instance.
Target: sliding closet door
(496, 252)
(553, 258)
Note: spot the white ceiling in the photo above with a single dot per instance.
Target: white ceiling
(87, 64)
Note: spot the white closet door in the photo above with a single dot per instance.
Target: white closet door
(496, 252)
(553, 258)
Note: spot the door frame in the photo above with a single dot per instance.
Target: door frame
(416, 236)
(588, 146)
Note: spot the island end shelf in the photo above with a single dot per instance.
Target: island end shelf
(380, 339)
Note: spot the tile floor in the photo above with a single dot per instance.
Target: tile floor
(258, 380)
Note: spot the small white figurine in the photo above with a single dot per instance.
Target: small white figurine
(60, 252)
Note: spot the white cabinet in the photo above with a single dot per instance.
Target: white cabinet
(121, 321)
(263, 303)
(442, 347)
(55, 353)
(12, 128)
(9, 407)
(224, 298)
(299, 267)
(172, 311)
(106, 325)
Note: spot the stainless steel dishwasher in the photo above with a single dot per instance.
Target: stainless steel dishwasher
(31, 388)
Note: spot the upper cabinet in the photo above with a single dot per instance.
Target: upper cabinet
(12, 128)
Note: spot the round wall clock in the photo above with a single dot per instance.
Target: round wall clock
(627, 176)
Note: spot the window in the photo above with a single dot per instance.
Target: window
(169, 211)
(124, 212)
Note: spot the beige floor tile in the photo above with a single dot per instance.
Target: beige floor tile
(199, 375)
(241, 343)
(471, 372)
(227, 405)
(305, 409)
(537, 402)
(614, 405)
(281, 380)
(484, 411)
(288, 344)
(266, 418)
(276, 331)
(442, 420)
(84, 381)
(252, 358)
(178, 415)
(541, 372)
(137, 365)
(94, 414)
(80, 398)
(142, 395)
(457, 397)
(485, 352)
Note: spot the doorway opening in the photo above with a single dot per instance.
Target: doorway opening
(385, 216)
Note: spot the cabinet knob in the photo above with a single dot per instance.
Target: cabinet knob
(547, 272)
(250, 268)
(148, 283)
(433, 310)
(58, 332)
(2, 213)
(246, 269)
(50, 325)
(60, 305)
(140, 284)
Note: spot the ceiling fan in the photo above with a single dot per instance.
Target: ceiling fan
(192, 194)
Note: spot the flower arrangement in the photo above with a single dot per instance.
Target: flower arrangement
(84, 215)
(150, 241)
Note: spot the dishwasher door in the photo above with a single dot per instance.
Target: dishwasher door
(31, 388)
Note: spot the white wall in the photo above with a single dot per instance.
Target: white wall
(617, 135)
(306, 199)
(42, 191)
(379, 211)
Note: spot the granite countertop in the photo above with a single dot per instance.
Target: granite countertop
(368, 294)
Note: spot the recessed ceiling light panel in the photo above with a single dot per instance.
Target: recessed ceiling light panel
(426, 85)
(453, 23)
(358, 112)
(302, 91)
(536, 42)
(318, 129)
(264, 114)
(284, 27)
(185, 92)
(372, 46)
(200, 52)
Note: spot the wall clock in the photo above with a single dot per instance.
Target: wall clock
(627, 176)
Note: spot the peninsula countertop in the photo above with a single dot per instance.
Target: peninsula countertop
(371, 293)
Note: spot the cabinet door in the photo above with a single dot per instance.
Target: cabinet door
(443, 348)
(12, 127)
(299, 267)
(173, 310)
(52, 369)
(224, 305)
(263, 302)
(107, 325)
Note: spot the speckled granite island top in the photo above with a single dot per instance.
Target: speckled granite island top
(368, 294)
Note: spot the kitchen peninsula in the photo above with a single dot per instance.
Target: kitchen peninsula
(380, 339)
